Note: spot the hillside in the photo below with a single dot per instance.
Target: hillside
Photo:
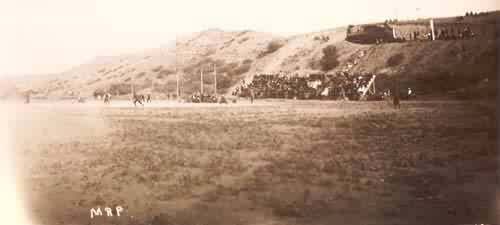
(438, 67)
(435, 68)
(103, 73)
(239, 55)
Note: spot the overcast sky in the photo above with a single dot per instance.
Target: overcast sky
(50, 36)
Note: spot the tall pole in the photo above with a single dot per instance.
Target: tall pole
(201, 79)
(177, 89)
(432, 30)
(176, 75)
(215, 79)
(132, 89)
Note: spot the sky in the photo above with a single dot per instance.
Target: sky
(50, 36)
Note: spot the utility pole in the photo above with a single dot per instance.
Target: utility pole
(201, 78)
(215, 79)
(132, 88)
(176, 76)
(177, 86)
(152, 86)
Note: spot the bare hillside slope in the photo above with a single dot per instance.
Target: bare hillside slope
(436, 68)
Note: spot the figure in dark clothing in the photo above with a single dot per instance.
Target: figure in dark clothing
(107, 98)
(467, 32)
(410, 93)
(252, 95)
(138, 99)
(395, 92)
(444, 34)
(453, 35)
(222, 100)
(148, 98)
(27, 97)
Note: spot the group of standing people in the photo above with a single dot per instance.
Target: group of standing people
(445, 33)
(203, 97)
(141, 99)
(467, 14)
(136, 98)
(322, 38)
(395, 94)
(454, 33)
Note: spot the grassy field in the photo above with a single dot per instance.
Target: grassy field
(274, 162)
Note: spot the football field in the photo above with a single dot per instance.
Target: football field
(271, 162)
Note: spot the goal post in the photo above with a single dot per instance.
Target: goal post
(432, 29)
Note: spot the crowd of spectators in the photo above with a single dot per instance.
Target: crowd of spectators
(342, 85)
(469, 14)
(452, 33)
(322, 38)
(443, 33)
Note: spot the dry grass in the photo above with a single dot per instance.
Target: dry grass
(273, 162)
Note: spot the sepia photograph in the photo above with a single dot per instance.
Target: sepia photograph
(232, 112)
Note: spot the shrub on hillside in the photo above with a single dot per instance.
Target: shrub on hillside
(241, 41)
(247, 61)
(227, 68)
(210, 52)
(243, 68)
(164, 73)
(395, 60)
(314, 64)
(98, 92)
(145, 84)
(223, 82)
(120, 89)
(271, 47)
(329, 59)
(93, 81)
(157, 69)
(141, 74)
(235, 69)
